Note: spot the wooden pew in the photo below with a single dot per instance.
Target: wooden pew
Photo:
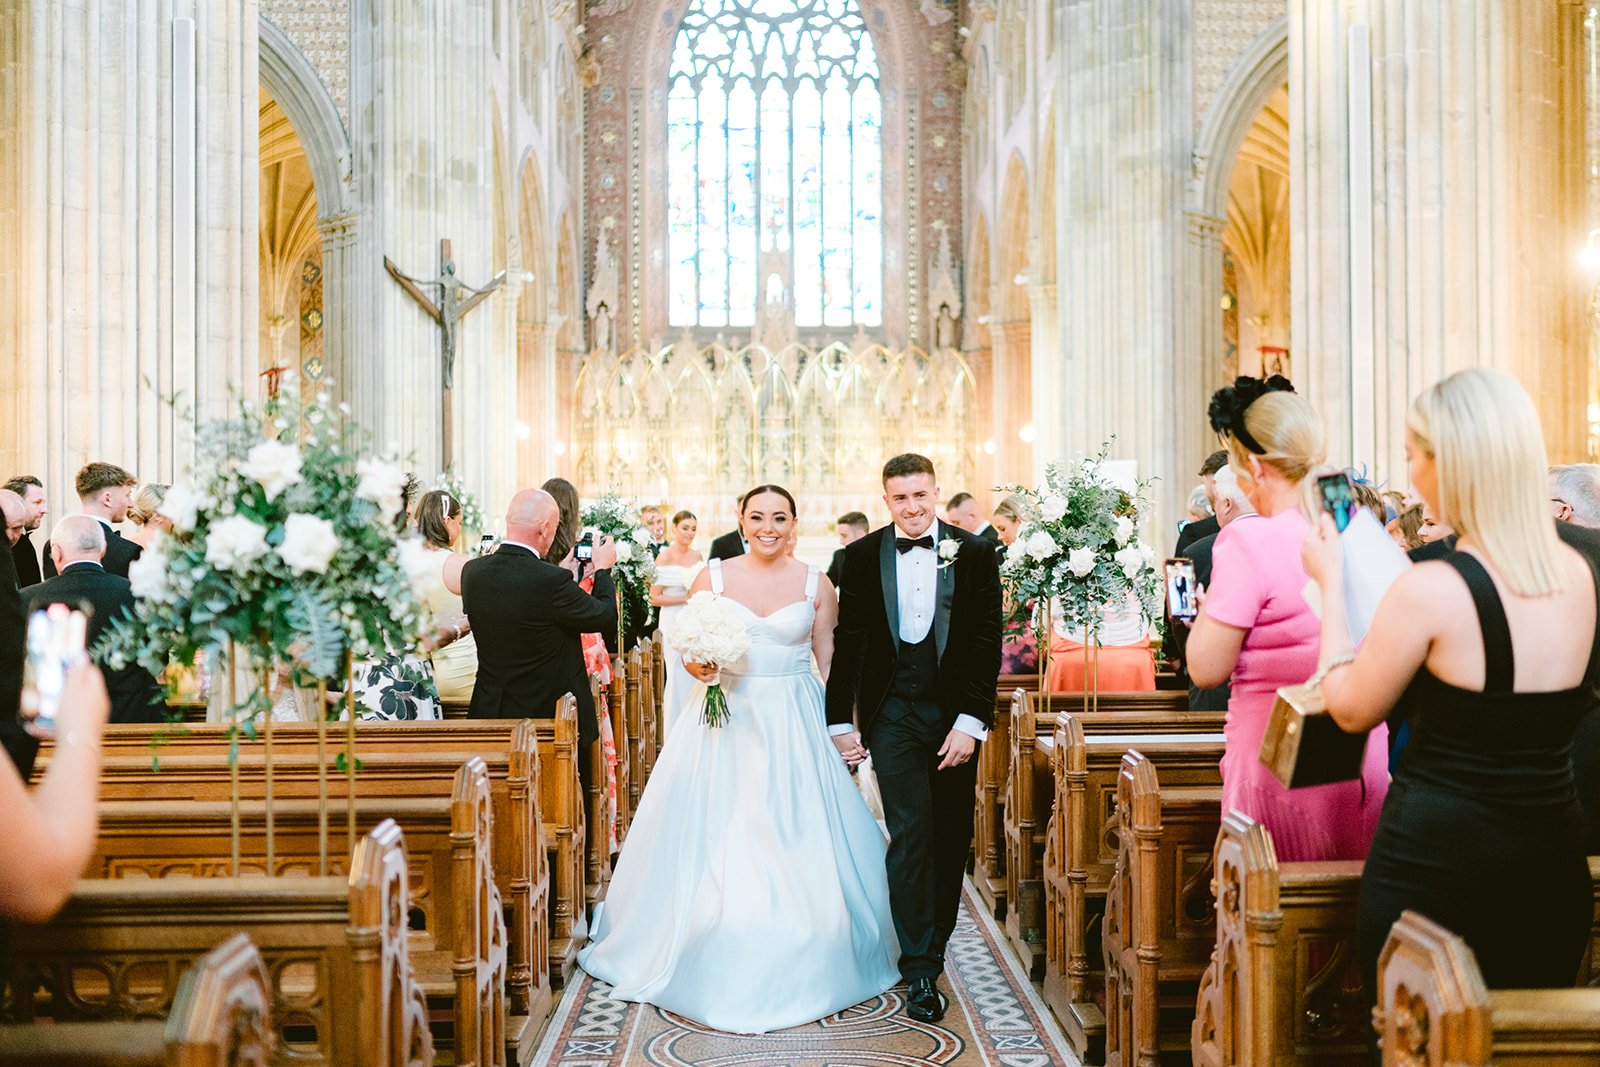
(597, 809)
(1146, 712)
(341, 984)
(638, 760)
(531, 841)
(1159, 924)
(1433, 1008)
(1282, 985)
(656, 687)
(1081, 853)
(221, 1017)
(622, 697)
(458, 933)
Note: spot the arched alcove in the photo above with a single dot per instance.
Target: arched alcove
(536, 383)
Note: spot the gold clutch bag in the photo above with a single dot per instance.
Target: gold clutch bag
(1303, 745)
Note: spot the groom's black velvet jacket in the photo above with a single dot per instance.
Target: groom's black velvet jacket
(966, 628)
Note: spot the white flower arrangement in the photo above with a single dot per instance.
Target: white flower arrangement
(707, 630)
(1078, 546)
(617, 517)
(309, 544)
(949, 549)
(274, 465)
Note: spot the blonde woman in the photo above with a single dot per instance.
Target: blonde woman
(1492, 656)
(454, 652)
(146, 515)
(1256, 628)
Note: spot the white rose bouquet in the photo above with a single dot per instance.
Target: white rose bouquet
(709, 631)
(618, 518)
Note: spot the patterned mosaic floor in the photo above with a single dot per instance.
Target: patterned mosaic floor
(995, 1019)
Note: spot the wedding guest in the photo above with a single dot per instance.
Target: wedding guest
(14, 513)
(1575, 493)
(570, 528)
(146, 515)
(1232, 506)
(676, 569)
(1019, 649)
(1007, 520)
(1492, 655)
(1199, 505)
(19, 745)
(452, 649)
(1193, 531)
(963, 511)
(1406, 528)
(51, 829)
(24, 554)
(105, 492)
(400, 686)
(77, 546)
(651, 518)
(731, 544)
(528, 616)
(1256, 627)
(851, 527)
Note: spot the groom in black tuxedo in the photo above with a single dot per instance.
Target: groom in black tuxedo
(916, 656)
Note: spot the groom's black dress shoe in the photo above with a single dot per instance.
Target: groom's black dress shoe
(923, 1002)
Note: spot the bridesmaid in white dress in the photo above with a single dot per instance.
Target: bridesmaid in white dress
(676, 568)
(751, 894)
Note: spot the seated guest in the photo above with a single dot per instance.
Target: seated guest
(528, 616)
(851, 527)
(145, 514)
(1575, 494)
(50, 830)
(1256, 627)
(1193, 531)
(1494, 656)
(454, 652)
(1113, 657)
(962, 512)
(105, 491)
(25, 554)
(77, 545)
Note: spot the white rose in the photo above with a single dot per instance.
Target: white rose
(949, 548)
(1016, 552)
(309, 543)
(1041, 546)
(418, 566)
(381, 482)
(148, 574)
(624, 550)
(643, 536)
(1146, 553)
(1080, 561)
(234, 542)
(182, 505)
(273, 464)
(1124, 529)
(1052, 507)
(1131, 560)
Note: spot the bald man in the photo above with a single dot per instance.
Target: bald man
(528, 617)
(15, 514)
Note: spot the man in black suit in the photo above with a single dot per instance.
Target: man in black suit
(1208, 526)
(18, 743)
(106, 492)
(24, 556)
(962, 512)
(916, 656)
(528, 617)
(731, 544)
(77, 545)
(852, 527)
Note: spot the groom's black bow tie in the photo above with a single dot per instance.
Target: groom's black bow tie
(906, 544)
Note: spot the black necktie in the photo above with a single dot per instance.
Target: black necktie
(906, 544)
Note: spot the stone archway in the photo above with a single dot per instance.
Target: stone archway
(290, 280)
(1012, 336)
(536, 380)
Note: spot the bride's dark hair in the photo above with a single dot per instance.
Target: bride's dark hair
(758, 490)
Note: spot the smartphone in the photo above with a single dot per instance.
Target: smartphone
(486, 544)
(1338, 498)
(584, 550)
(56, 638)
(1181, 589)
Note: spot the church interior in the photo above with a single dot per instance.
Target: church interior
(673, 249)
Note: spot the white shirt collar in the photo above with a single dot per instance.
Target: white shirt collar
(523, 544)
(932, 531)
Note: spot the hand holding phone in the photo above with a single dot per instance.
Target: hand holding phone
(55, 643)
(1182, 602)
(1338, 498)
(583, 552)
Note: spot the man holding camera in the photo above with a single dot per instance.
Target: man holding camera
(528, 616)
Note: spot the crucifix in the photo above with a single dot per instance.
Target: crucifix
(456, 298)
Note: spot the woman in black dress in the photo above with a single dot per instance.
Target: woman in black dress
(1491, 653)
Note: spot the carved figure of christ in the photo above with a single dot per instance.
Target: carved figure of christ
(456, 298)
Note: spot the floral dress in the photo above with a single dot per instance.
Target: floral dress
(396, 689)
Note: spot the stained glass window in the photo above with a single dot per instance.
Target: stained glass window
(773, 144)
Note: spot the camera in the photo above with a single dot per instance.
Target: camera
(584, 550)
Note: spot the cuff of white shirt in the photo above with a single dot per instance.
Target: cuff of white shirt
(838, 729)
(972, 726)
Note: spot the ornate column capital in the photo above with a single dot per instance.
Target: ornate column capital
(1205, 229)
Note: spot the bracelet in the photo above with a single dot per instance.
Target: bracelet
(460, 633)
(1331, 666)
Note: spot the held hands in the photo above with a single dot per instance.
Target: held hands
(850, 747)
(708, 673)
(1321, 554)
(956, 750)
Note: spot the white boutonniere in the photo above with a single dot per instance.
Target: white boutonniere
(948, 549)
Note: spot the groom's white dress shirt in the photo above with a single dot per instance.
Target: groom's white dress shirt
(917, 582)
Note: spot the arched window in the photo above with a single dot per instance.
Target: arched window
(773, 144)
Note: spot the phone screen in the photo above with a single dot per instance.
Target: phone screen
(1338, 498)
(1181, 589)
(56, 638)
(585, 547)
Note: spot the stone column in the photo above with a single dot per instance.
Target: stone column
(1012, 406)
(1433, 223)
(1199, 358)
(1047, 416)
(128, 218)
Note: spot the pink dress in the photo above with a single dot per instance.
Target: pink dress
(1256, 585)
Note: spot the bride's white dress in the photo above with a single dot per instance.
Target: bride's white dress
(751, 894)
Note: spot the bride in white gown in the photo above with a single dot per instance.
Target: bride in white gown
(676, 568)
(751, 894)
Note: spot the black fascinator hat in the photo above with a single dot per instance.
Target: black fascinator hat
(1229, 404)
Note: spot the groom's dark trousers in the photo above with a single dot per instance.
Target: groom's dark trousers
(929, 812)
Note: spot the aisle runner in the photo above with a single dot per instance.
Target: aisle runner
(995, 1019)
